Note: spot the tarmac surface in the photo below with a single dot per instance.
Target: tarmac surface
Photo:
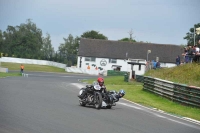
(48, 103)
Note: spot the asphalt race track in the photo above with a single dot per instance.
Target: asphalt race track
(48, 103)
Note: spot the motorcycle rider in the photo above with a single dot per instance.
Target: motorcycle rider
(119, 95)
(116, 97)
(100, 81)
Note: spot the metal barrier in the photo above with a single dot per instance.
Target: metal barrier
(187, 95)
(139, 78)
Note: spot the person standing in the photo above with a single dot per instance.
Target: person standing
(190, 54)
(178, 60)
(22, 68)
(157, 64)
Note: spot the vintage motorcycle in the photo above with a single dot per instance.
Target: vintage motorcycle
(93, 95)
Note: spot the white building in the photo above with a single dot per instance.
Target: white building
(110, 55)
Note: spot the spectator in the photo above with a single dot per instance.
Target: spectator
(153, 64)
(158, 64)
(197, 54)
(190, 54)
(185, 55)
(197, 49)
(178, 60)
(22, 68)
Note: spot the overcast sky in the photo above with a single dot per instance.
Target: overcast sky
(156, 21)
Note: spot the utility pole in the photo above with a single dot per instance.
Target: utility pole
(194, 35)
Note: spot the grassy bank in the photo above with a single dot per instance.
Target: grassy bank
(185, 74)
(135, 93)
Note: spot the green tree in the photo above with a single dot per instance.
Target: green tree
(127, 40)
(68, 50)
(190, 35)
(47, 49)
(93, 35)
(1, 42)
(23, 41)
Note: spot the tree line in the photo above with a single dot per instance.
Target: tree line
(192, 36)
(27, 41)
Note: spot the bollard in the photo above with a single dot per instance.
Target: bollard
(24, 75)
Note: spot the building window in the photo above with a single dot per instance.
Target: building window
(112, 61)
(92, 59)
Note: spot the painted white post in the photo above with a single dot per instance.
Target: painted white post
(148, 52)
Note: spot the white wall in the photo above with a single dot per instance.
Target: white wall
(120, 62)
(108, 66)
(167, 64)
(86, 71)
(32, 61)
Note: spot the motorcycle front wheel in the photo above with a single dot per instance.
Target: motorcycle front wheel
(81, 102)
(98, 101)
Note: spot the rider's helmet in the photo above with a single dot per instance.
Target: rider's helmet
(100, 81)
(121, 93)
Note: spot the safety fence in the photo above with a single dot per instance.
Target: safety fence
(187, 95)
(139, 78)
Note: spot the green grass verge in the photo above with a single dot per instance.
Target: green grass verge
(134, 92)
(32, 67)
(9, 74)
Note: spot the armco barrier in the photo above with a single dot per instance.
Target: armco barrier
(139, 78)
(149, 84)
(187, 95)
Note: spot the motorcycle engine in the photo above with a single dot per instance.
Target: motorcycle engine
(90, 98)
